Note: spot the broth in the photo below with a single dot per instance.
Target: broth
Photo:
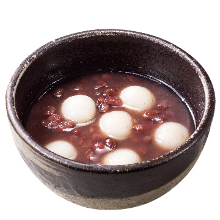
(46, 124)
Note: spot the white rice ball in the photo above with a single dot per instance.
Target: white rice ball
(121, 157)
(137, 98)
(171, 135)
(63, 149)
(79, 108)
(116, 124)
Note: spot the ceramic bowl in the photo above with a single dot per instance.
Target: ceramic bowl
(99, 186)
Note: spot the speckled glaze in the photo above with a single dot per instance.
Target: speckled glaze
(99, 186)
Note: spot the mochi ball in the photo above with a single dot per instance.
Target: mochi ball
(63, 149)
(78, 108)
(137, 98)
(121, 157)
(116, 124)
(171, 135)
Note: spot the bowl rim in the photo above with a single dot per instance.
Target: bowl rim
(54, 158)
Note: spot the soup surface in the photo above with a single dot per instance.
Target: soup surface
(110, 119)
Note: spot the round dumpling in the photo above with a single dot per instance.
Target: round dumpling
(171, 135)
(116, 124)
(63, 149)
(79, 108)
(137, 98)
(121, 157)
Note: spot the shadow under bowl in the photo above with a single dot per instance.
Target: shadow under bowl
(100, 186)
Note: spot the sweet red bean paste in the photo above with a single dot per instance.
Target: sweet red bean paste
(92, 140)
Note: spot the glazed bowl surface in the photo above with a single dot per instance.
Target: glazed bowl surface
(120, 51)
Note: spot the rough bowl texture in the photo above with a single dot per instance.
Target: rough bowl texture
(110, 187)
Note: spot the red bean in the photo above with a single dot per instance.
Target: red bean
(90, 154)
(65, 124)
(110, 143)
(81, 140)
(48, 110)
(158, 120)
(98, 146)
(111, 92)
(162, 106)
(89, 143)
(79, 88)
(101, 84)
(99, 101)
(138, 129)
(134, 79)
(98, 93)
(114, 100)
(74, 139)
(143, 128)
(96, 149)
(150, 114)
(104, 107)
(58, 93)
(96, 137)
(76, 131)
(77, 140)
(52, 121)
(147, 139)
(93, 127)
(106, 76)
(142, 150)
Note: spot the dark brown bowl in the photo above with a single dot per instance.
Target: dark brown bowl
(99, 186)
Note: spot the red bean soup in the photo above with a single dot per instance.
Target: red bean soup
(91, 141)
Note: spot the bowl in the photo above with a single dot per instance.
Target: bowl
(104, 186)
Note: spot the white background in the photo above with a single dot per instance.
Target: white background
(27, 25)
